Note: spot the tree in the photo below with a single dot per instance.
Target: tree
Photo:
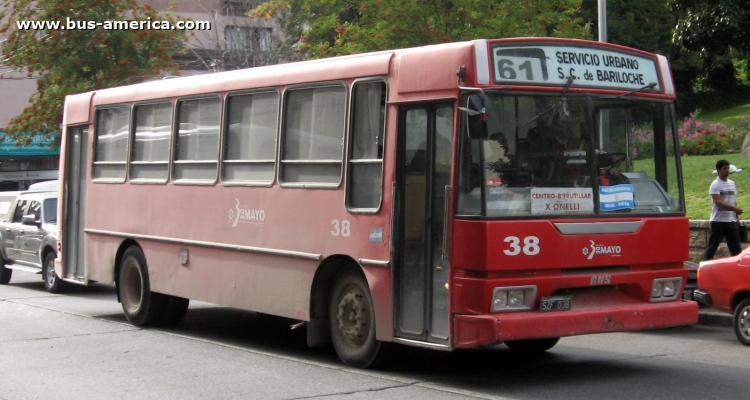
(67, 60)
(713, 27)
(338, 27)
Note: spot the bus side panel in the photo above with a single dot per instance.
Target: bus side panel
(272, 219)
(272, 284)
(99, 257)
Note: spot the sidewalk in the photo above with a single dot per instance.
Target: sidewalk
(713, 317)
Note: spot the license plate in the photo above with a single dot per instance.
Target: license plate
(556, 303)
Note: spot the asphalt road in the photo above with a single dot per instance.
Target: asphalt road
(78, 346)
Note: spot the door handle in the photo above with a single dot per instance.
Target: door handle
(21, 231)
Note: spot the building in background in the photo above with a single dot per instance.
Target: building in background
(234, 41)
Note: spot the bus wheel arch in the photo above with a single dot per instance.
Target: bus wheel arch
(318, 331)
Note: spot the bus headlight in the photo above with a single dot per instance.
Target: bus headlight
(665, 289)
(513, 298)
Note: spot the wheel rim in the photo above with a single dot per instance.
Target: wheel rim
(132, 286)
(354, 316)
(49, 272)
(743, 322)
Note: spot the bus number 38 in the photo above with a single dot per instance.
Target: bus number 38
(530, 245)
(342, 228)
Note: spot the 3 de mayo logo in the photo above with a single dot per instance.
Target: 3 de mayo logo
(245, 215)
(595, 248)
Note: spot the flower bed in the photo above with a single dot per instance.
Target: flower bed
(696, 138)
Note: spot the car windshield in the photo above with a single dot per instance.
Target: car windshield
(50, 211)
(546, 156)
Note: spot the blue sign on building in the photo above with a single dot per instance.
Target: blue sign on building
(39, 145)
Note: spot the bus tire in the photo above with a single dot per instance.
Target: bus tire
(742, 322)
(352, 320)
(141, 306)
(531, 346)
(52, 282)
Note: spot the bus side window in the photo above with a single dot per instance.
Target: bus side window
(312, 137)
(364, 188)
(111, 144)
(151, 137)
(250, 142)
(196, 155)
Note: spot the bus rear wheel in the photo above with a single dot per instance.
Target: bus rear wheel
(352, 320)
(532, 346)
(141, 306)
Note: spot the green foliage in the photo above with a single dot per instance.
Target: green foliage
(713, 27)
(77, 60)
(643, 24)
(338, 27)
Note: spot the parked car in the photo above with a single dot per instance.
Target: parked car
(724, 284)
(29, 238)
(46, 186)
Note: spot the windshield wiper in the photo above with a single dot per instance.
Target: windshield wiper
(568, 83)
(649, 86)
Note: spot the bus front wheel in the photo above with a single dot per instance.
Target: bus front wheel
(352, 319)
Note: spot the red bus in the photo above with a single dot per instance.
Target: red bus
(447, 196)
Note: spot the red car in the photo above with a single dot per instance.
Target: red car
(724, 284)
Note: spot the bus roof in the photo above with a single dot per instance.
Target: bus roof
(412, 64)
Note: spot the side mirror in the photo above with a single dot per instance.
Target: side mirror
(477, 118)
(30, 220)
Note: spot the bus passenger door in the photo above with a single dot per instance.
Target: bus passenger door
(74, 207)
(424, 158)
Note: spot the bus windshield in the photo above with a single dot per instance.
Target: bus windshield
(571, 155)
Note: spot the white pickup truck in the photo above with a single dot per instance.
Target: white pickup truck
(29, 237)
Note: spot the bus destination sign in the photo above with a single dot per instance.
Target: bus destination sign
(590, 67)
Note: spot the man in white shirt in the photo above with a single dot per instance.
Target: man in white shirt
(724, 223)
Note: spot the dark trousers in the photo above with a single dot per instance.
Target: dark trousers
(723, 230)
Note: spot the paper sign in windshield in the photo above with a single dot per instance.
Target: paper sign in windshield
(561, 200)
(618, 197)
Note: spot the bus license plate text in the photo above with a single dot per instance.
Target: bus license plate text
(556, 303)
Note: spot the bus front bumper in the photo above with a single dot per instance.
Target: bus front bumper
(477, 330)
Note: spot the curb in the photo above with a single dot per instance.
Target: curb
(713, 317)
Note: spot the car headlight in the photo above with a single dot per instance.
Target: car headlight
(513, 298)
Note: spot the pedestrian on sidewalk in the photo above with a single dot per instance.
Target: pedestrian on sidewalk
(724, 222)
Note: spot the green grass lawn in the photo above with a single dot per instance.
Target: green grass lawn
(697, 176)
(697, 170)
(726, 116)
